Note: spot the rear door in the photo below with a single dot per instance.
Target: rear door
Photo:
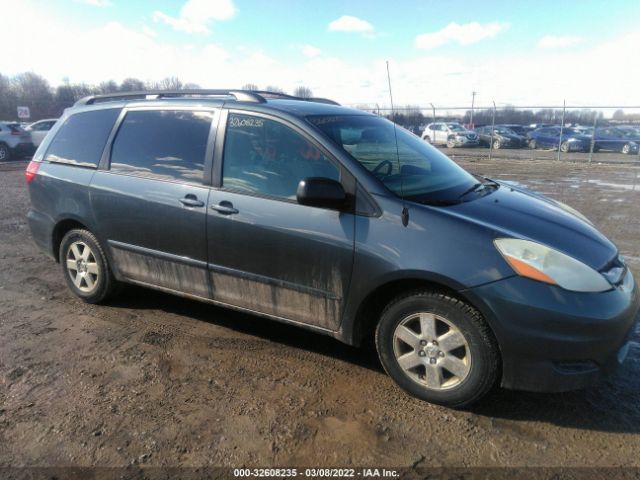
(150, 203)
(267, 253)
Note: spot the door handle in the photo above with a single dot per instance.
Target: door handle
(191, 200)
(225, 208)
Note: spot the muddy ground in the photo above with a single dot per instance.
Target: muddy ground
(152, 379)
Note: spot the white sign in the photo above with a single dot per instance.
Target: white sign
(23, 112)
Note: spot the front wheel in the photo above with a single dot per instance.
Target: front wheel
(451, 143)
(497, 144)
(85, 267)
(532, 144)
(438, 348)
(626, 149)
(564, 147)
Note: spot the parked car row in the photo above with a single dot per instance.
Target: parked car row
(18, 140)
(623, 139)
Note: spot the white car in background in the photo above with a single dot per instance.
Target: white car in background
(40, 129)
(451, 134)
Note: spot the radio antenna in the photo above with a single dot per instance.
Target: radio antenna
(405, 210)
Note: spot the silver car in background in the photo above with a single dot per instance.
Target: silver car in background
(14, 141)
(451, 134)
(40, 129)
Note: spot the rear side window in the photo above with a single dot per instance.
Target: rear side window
(81, 140)
(165, 144)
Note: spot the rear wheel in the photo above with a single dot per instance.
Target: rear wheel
(5, 153)
(85, 267)
(438, 348)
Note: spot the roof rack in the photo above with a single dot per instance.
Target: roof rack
(239, 95)
(286, 96)
(253, 96)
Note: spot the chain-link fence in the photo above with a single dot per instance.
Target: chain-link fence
(562, 132)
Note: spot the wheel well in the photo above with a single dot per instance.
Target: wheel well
(372, 306)
(59, 231)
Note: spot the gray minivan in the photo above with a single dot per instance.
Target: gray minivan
(338, 221)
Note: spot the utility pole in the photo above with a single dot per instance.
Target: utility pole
(473, 99)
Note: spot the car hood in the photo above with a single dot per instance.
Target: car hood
(514, 211)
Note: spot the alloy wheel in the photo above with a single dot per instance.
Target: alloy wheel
(432, 351)
(82, 267)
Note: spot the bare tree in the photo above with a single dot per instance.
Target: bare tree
(274, 89)
(250, 86)
(7, 99)
(108, 87)
(131, 85)
(303, 92)
(33, 91)
(167, 83)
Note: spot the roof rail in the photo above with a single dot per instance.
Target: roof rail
(239, 95)
(286, 96)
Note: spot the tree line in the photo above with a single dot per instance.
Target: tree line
(45, 101)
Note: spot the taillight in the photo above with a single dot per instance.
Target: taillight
(32, 169)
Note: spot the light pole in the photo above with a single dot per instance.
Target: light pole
(473, 98)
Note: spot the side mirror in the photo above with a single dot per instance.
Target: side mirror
(321, 192)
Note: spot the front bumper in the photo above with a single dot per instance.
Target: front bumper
(466, 142)
(555, 340)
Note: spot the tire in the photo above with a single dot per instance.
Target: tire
(532, 144)
(626, 149)
(497, 144)
(5, 153)
(564, 147)
(427, 139)
(87, 273)
(476, 360)
(451, 143)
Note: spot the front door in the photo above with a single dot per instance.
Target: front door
(267, 253)
(151, 204)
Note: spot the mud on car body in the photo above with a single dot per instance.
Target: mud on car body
(338, 222)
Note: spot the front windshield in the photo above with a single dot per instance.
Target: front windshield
(456, 127)
(503, 130)
(416, 170)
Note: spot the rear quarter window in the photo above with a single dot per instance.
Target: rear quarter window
(82, 138)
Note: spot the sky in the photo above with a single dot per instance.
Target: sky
(540, 52)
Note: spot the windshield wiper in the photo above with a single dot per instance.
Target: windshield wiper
(474, 188)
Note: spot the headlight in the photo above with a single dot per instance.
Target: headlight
(539, 262)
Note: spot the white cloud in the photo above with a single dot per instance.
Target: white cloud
(196, 14)
(462, 34)
(96, 3)
(310, 51)
(552, 41)
(347, 23)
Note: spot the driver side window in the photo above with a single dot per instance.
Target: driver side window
(265, 157)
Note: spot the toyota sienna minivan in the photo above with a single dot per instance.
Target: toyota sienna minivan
(334, 220)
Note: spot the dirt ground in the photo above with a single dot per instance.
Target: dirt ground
(155, 380)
